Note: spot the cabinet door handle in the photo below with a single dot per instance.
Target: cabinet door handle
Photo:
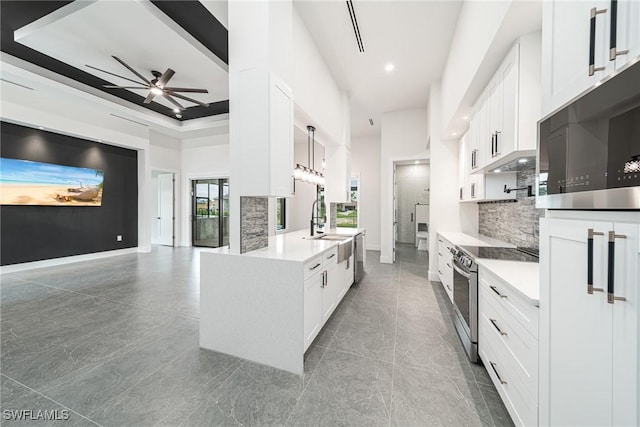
(439, 272)
(495, 325)
(449, 287)
(331, 256)
(493, 365)
(473, 191)
(590, 234)
(497, 151)
(324, 279)
(449, 265)
(592, 41)
(494, 289)
(613, 36)
(611, 296)
(314, 267)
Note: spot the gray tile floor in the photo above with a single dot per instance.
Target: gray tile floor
(115, 343)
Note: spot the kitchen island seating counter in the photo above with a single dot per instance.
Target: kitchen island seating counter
(268, 305)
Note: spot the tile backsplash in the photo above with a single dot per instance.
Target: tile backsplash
(517, 223)
(254, 225)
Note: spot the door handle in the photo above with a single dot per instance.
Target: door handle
(611, 297)
(592, 41)
(613, 35)
(590, 235)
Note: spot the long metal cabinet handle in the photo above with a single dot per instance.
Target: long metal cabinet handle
(494, 289)
(592, 41)
(590, 234)
(314, 267)
(611, 296)
(613, 37)
(495, 325)
(497, 151)
(493, 365)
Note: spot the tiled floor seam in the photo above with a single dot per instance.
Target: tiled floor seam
(178, 314)
(48, 398)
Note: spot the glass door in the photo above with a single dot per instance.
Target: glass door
(210, 213)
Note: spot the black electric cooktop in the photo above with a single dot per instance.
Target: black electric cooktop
(506, 254)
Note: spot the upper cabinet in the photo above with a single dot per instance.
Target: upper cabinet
(584, 42)
(504, 124)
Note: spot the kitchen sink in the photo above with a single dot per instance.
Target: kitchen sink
(335, 237)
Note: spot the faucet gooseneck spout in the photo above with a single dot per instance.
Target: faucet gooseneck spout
(313, 217)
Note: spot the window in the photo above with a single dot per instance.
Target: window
(347, 213)
(281, 213)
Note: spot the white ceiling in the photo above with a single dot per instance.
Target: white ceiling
(413, 35)
(138, 33)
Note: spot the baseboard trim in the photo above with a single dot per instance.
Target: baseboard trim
(373, 247)
(433, 276)
(386, 260)
(13, 268)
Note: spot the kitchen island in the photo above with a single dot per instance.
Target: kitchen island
(268, 305)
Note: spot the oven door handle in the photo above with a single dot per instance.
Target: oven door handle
(460, 271)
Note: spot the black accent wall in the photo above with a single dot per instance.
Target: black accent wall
(34, 233)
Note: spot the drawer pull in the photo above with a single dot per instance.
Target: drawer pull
(494, 289)
(495, 325)
(449, 265)
(439, 254)
(449, 287)
(314, 267)
(439, 272)
(331, 256)
(493, 366)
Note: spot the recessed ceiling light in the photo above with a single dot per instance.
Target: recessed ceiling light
(465, 118)
(454, 133)
(156, 91)
(176, 110)
(40, 127)
(497, 171)
(417, 162)
(389, 67)
(522, 161)
(99, 140)
(179, 116)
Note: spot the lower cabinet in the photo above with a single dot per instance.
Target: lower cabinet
(324, 288)
(508, 346)
(445, 265)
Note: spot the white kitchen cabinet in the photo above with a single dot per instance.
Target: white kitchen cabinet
(313, 319)
(445, 265)
(267, 145)
(332, 290)
(566, 28)
(588, 336)
(508, 345)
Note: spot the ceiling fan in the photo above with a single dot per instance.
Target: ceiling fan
(156, 86)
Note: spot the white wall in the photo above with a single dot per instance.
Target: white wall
(164, 157)
(412, 184)
(201, 158)
(365, 162)
(314, 88)
(446, 212)
(404, 136)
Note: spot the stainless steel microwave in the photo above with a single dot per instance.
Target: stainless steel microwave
(589, 150)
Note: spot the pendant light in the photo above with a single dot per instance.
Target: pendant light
(308, 173)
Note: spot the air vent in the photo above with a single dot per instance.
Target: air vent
(356, 28)
(371, 122)
(129, 120)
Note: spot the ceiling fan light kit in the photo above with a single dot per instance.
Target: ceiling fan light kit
(156, 86)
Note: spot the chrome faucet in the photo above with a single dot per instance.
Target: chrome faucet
(314, 218)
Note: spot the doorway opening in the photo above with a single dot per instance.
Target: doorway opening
(411, 187)
(210, 208)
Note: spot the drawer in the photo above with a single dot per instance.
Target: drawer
(497, 328)
(522, 406)
(313, 266)
(330, 256)
(503, 295)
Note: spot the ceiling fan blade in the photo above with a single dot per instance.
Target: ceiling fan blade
(140, 76)
(164, 78)
(173, 101)
(186, 89)
(149, 98)
(113, 74)
(195, 101)
(125, 87)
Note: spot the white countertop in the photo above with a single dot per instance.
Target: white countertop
(294, 247)
(464, 239)
(523, 277)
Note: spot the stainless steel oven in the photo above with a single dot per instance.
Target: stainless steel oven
(589, 150)
(465, 301)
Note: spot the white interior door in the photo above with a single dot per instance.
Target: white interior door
(395, 212)
(165, 209)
